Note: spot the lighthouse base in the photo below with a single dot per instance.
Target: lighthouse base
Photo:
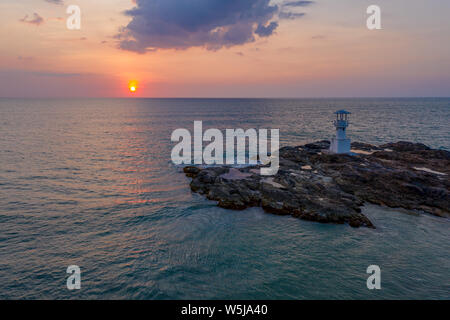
(340, 145)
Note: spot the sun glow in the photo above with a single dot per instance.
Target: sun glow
(132, 86)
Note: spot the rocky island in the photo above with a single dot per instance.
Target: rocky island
(313, 184)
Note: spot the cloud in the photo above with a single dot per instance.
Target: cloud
(213, 24)
(55, 19)
(298, 3)
(36, 20)
(60, 2)
(57, 74)
(291, 15)
(25, 58)
(286, 12)
(264, 31)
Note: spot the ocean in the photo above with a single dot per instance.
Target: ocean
(90, 182)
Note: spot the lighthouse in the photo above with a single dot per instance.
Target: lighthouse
(340, 143)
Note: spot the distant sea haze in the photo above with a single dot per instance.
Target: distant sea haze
(90, 182)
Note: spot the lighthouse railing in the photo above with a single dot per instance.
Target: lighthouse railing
(341, 123)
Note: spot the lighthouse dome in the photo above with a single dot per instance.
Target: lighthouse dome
(342, 112)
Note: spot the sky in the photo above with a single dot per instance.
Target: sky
(224, 48)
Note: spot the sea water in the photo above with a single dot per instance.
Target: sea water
(90, 182)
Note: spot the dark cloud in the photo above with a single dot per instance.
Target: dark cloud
(36, 20)
(213, 24)
(298, 3)
(265, 31)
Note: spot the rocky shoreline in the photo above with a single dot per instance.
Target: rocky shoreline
(315, 185)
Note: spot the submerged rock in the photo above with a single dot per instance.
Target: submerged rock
(315, 185)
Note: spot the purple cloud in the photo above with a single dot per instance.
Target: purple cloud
(298, 3)
(36, 20)
(265, 31)
(291, 15)
(181, 24)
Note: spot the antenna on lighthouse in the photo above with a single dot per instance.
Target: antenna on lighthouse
(340, 143)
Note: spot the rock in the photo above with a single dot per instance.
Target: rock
(191, 171)
(315, 185)
(404, 146)
(364, 146)
(235, 174)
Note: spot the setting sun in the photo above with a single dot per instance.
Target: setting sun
(132, 86)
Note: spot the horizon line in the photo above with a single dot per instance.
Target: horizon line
(278, 98)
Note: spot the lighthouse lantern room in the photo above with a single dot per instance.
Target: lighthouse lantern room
(340, 143)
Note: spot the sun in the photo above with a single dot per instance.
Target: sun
(132, 86)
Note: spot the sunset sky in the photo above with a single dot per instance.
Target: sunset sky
(224, 48)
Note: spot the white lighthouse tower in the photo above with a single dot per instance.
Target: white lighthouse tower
(340, 143)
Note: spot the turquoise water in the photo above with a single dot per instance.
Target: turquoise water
(90, 183)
